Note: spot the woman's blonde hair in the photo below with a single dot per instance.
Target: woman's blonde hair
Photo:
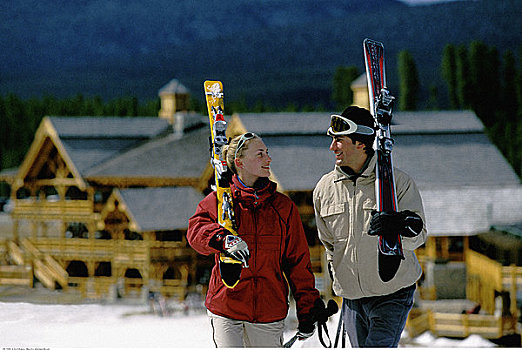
(231, 151)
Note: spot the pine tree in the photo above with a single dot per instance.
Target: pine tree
(433, 101)
(449, 73)
(463, 77)
(408, 82)
(485, 72)
(508, 92)
(342, 92)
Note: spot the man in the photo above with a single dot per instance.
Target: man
(374, 311)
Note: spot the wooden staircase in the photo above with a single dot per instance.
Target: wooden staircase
(28, 262)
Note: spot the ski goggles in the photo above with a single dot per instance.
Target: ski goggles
(340, 125)
(244, 138)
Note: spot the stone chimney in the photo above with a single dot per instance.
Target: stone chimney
(175, 98)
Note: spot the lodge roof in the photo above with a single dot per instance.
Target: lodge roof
(172, 156)
(173, 87)
(440, 148)
(161, 208)
(109, 127)
(90, 141)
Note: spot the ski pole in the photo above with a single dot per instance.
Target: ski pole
(340, 326)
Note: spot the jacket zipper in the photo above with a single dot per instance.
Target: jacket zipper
(254, 303)
(354, 207)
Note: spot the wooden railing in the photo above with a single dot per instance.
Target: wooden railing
(16, 275)
(463, 325)
(485, 276)
(457, 324)
(30, 208)
(15, 253)
(122, 251)
(92, 287)
(46, 268)
(76, 248)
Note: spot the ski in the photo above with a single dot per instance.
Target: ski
(381, 106)
(229, 269)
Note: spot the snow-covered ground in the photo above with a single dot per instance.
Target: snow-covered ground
(26, 325)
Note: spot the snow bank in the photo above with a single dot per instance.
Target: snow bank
(25, 325)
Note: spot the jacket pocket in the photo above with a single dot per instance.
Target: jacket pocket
(335, 218)
(368, 206)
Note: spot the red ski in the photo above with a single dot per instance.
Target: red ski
(381, 106)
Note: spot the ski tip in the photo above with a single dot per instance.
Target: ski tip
(213, 88)
(369, 41)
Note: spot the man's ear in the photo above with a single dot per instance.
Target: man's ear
(359, 144)
(238, 163)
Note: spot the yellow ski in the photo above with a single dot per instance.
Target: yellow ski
(230, 269)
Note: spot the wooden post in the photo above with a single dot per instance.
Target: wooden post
(465, 323)
(513, 292)
(431, 248)
(16, 227)
(444, 247)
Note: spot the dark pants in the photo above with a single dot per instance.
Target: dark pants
(377, 321)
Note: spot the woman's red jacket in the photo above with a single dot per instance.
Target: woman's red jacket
(269, 223)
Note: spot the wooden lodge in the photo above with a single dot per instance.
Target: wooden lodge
(101, 204)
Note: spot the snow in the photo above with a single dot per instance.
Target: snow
(426, 339)
(50, 326)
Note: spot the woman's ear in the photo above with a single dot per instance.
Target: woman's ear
(238, 163)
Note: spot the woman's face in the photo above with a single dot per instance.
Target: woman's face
(254, 162)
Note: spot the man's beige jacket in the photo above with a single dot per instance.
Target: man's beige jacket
(343, 212)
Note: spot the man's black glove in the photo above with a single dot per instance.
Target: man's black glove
(390, 223)
(232, 246)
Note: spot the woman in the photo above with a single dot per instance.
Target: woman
(271, 242)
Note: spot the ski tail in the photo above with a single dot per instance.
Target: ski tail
(230, 269)
(381, 105)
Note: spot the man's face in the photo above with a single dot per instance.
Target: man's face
(343, 148)
(348, 153)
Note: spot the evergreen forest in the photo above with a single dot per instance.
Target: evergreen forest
(477, 77)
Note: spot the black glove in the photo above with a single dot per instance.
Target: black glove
(305, 329)
(390, 223)
(232, 246)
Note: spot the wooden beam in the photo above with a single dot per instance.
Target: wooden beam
(122, 182)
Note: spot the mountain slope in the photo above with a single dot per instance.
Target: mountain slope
(279, 51)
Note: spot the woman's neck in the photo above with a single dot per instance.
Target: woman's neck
(247, 181)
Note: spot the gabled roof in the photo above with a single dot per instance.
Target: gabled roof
(109, 127)
(92, 140)
(467, 210)
(159, 209)
(439, 148)
(173, 87)
(171, 157)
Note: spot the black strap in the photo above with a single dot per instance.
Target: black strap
(320, 327)
(340, 327)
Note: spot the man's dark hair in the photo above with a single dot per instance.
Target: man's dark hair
(361, 116)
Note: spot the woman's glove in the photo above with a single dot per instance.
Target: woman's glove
(305, 329)
(232, 246)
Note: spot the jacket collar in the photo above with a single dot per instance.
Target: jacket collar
(252, 196)
(368, 172)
